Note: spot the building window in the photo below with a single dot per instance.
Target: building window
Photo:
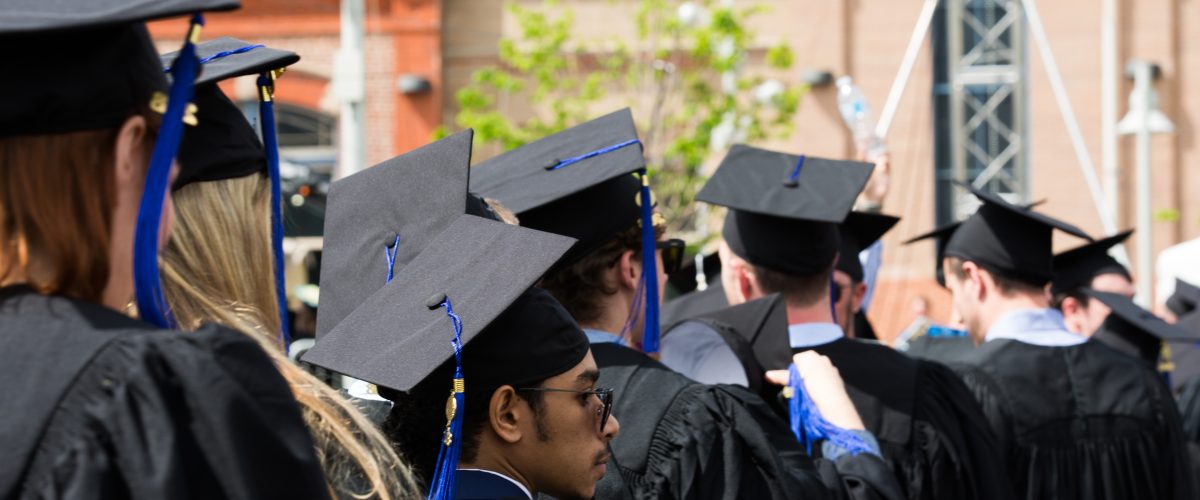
(305, 136)
(979, 101)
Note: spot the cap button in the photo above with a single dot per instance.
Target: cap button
(552, 164)
(435, 301)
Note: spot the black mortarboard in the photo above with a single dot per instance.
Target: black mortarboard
(589, 198)
(1009, 238)
(580, 183)
(940, 236)
(1185, 299)
(223, 145)
(1134, 330)
(784, 208)
(82, 65)
(382, 217)
(859, 231)
(461, 311)
(398, 335)
(1075, 268)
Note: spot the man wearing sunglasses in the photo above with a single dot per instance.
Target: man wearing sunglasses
(684, 439)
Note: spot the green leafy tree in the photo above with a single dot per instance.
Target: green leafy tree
(685, 75)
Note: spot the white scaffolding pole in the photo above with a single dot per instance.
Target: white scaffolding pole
(906, 65)
(1068, 115)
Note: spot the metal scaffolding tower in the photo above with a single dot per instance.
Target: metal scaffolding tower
(986, 76)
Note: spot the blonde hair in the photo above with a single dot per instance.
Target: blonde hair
(217, 269)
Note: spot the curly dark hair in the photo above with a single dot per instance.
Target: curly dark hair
(579, 286)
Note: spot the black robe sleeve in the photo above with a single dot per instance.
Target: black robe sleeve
(171, 415)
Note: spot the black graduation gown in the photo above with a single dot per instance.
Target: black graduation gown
(941, 349)
(692, 304)
(1189, 412)
(1080, 422)
(98, 405)
(684, 440)
(929, 428)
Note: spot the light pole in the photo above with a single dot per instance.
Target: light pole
(348, 79)
(1144, 119)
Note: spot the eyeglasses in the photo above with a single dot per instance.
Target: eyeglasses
(672, 254)
(605, 395)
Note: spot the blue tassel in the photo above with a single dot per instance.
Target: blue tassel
(809, 426)
(649, 269)
(147, 284)
(795, 177)
(266, 117)
(390, 254)
(445, 476)
(576, 159)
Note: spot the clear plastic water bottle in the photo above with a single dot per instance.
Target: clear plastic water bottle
(856, 112)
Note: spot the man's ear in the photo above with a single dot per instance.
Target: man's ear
(975, 281)
(746, 284)
(860, 292)
(505, 412)
(629, 270)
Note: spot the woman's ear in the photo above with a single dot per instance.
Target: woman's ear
(504, 414)
(129, 153)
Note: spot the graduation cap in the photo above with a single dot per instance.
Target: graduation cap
(1075, 268)
(82, 65)
(940, 236)
(577, 182)
(1134, 330)
(89, 66)
(1185, 298)
(223, 145)
(785, 208)
(1009, 238)
(859, 231)
(461, 309)
(380, 218)
(580, 183)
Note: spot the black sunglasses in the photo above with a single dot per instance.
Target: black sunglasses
(672, 254)
(605, 395)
